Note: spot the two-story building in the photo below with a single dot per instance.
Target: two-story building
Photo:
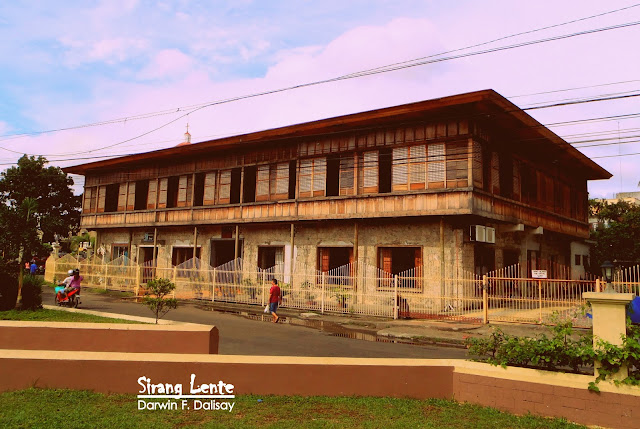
(463, 183)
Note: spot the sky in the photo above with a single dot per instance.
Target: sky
(86, 79)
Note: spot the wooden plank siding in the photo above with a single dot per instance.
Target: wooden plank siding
(459, 202)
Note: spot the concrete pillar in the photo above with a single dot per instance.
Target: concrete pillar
(609, 320)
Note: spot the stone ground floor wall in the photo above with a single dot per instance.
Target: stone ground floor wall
(447, 250)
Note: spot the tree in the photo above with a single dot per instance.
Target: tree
(36, 204)
(156, 297)
(618, 236)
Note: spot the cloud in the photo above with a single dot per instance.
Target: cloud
(108, 51)
(168, 63)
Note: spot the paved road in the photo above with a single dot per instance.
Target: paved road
(243, 336)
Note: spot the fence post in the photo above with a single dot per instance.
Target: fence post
(106, 273)
(137, 289)
(598, 285)
(395, 297)
(213, 286)
(322, 300)
(175, 274)
(540, 299)
(485, 299)
(263, 288)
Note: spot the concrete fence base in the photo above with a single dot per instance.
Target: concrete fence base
(515, 390)
(109, 337)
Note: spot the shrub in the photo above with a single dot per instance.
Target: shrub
(8, 291)
(32, 292)
(155, 297)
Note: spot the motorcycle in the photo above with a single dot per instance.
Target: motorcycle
(70, 299)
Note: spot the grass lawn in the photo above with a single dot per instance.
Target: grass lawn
(38, 408)
(45, 315)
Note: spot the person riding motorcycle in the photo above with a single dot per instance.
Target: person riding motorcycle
(72, 282)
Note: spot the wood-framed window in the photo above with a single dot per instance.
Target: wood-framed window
(90, 199)
(102, 197)
(476, 164)
(313, 176)
(162, 192)
(262, 183)
(409, 168)
(122, 197)
(279, 181)
(225, 187)
(131, 195)
(435, 165)
(152, 194)
(404, 262)
(516, 180)
(270, 256)
(181, 254)
(347, 175)
(368, 179)
(495, 173)
(209, 193)
(457, 164)
(184, 191)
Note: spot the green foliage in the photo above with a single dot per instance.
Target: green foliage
(32, 292)
(156, 297)
(8, 290)
(36, 203)
(564, 350)
(49, 408)
(620, 240)
(45, 315)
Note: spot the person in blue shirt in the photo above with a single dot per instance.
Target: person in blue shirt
(33, 268)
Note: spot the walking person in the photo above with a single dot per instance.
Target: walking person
(275, 298)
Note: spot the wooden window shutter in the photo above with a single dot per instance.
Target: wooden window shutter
(306, 173)
(209, 197)
(280, 189)
(262, 183)
(418, 262)
(94, 199)
(162, 193)
(385, 255)
(347, 181)
(102, 195)
(417, 167)
(457, 164)
(324, 260)
(495, 173)
(399, 172)
(152, 194)
(122, 197)
(182, 191)
(435, 165)
(190, 189)
(370, 165)
(319, 176)
(225, 187)
(86, 205)
(477, 164)
(131, 196)
(516, 180)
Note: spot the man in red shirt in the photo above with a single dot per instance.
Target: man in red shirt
(275, 298)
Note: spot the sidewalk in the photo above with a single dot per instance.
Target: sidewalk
(430, 331)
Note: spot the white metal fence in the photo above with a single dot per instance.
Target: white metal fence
(357, 288)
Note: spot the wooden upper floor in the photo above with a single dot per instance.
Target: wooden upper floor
(470, 154)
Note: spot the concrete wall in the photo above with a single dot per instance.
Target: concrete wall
(516, 390)
(109, 337)
(457, 257)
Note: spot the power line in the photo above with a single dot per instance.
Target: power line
(384, 69)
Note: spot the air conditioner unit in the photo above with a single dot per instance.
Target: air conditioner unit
(478, 233)
(491, 235)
